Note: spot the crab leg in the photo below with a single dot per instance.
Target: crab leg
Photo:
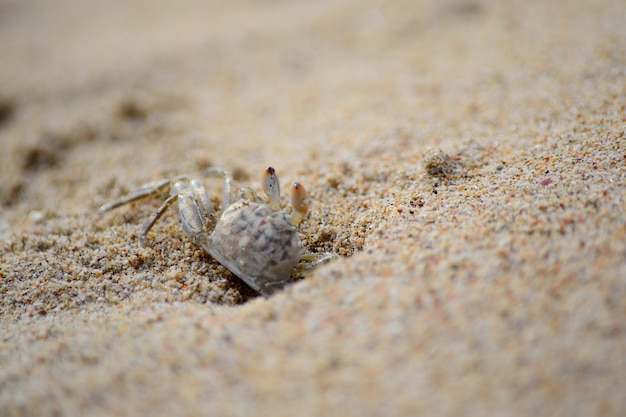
(154, 217)
(144, 191)
(226, 185)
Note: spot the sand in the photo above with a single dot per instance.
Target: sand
(466, 162)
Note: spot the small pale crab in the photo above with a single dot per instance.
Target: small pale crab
(256, 240)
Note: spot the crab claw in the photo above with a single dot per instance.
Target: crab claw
(299, 202)
(271, 188)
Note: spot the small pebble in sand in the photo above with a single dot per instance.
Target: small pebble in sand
(439, 164)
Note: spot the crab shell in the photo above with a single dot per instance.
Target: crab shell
(257, 244)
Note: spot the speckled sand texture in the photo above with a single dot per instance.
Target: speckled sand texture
(466, 160)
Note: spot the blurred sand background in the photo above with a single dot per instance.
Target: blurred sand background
(466, 159)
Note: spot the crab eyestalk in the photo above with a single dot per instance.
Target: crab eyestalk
(299, 202)
(271, 188)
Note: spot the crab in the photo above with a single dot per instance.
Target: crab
(255, 239)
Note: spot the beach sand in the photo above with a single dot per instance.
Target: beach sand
(466, 161)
